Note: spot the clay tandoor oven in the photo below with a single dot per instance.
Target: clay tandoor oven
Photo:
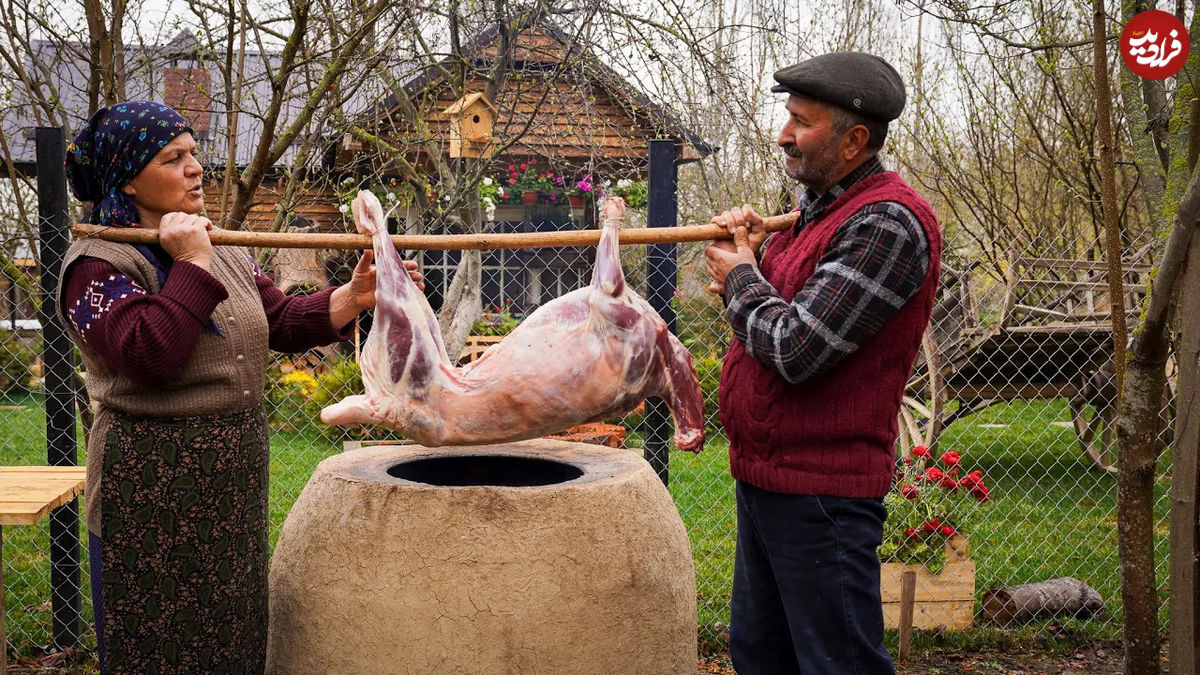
(533, 557)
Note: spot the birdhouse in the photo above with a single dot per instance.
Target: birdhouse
(471, 120)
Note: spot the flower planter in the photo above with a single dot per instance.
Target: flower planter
(529, 198)
(577, 201)
(945, 599)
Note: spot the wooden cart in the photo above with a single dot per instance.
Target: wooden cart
(1052, 339)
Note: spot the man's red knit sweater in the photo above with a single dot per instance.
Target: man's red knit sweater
(832, 434)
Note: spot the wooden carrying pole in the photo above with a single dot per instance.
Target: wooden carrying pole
(432, 242)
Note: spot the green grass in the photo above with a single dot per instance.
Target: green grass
(1051, 515)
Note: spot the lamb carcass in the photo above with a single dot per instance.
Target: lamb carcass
(588, 355)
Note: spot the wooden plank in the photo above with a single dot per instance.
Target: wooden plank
(39, 493)
(955, 582)
(1013, 392)
(908, 585)
(951, 615)
(38, 470)
(1091, 266)
(29, 493)
(22, 513)
(3, 634)
(1067, 328)
(1076, 285)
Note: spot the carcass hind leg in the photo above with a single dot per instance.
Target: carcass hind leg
(608, 275)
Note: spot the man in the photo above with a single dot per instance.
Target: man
(828, 322)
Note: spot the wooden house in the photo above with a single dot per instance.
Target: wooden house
(182, 76)
(560, 110)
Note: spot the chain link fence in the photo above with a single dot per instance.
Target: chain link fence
(1011, 377)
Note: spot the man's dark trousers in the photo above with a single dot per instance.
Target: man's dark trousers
(806, 585)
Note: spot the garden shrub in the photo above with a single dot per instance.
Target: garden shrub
(287, 398)
(708, 370)
(15, 364)
(343, 378)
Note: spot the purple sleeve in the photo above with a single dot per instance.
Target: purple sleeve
(147, 338)
(298, 323)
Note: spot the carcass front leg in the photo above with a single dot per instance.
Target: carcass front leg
(683, 394)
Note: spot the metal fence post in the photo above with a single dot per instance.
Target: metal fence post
(662, 211)
(59, 370)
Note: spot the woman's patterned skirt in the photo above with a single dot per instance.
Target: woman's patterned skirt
(182, 551)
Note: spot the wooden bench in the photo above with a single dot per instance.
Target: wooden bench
(27, 495)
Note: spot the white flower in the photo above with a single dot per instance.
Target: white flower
(344, 208)
(491, 212)
(391, 196)
(445, 198)
(487, 181)
(488, 203)
(624, 183)
(500, 191)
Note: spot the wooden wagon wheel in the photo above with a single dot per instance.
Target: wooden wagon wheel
(920, 424)
(1095, 432)
(1095, 428)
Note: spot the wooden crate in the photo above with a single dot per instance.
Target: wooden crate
(945, 600)
(596, 433)
(475, 346)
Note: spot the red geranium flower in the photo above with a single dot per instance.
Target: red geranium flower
(524, 166)
(909, 491)
(980, 492)
(908, 459)
(933, 474)
(948, 482)
(972, 479)
(946, 530)
(911, 533)
(931, 526)
(951, 459)
(920, 451)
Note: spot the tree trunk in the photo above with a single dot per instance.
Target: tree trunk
(1138, 443)
(1136, 455)
(463, 303)
(1185, 483)
(106, 82)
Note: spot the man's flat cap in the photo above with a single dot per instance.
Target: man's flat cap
(862, 83)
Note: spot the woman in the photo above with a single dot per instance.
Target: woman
(175, 340)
